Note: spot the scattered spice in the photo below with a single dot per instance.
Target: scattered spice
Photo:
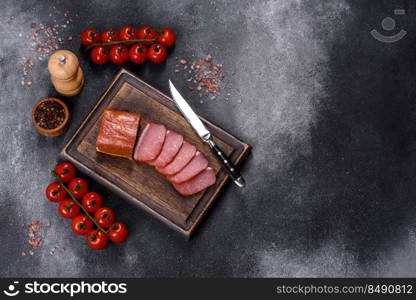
(44, 40)
(35, 234)
(49, 114)
(47, 39)
(205, 77)
(36, 238)
(56, 248)
(27, 71)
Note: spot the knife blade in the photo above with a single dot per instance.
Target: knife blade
(205, 135)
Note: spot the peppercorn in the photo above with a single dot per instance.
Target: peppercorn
(49, 115)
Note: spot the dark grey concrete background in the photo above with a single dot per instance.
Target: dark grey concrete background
(329, 111)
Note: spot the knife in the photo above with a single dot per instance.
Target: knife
(205, 135)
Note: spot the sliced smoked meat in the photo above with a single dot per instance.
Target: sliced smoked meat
(199, 183)
(118, 133)
(193, 168)
(150, 142)
(184, 156)
(171, 146)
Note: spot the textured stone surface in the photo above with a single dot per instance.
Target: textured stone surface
(329, 111)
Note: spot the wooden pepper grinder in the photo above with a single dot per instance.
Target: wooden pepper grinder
(66, 73)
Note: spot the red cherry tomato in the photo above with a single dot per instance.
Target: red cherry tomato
(100, 55)
(109, 35)
(138, 53)
(55, 192)
(90, 36)
(127, 33)
(66, 171)
(157, 53)
(68, 208)
(166, 37)
(117, 232)
(92, 202)
(78, 187)
(147, 32)
(119, 54)
(97, 240)
(104, 217)
(81, 225)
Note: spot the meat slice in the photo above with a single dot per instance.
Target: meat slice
(150, 142)
(199, 183)
(184, 156)
(171, 146)
(118, 133)
(193, 168)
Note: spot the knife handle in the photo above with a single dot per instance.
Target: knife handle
(229, 166)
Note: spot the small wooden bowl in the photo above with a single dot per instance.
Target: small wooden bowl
(55, 131)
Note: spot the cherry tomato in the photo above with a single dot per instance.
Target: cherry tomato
(146, 32)
(81, 225)
(68, 208)
(117, 232)
(157, 53)
(55, 192)
(66, 171)
(119, 54)
(127, 33)
(97, 240)
(92, 202)
(109, 35)
(166, 37)
(138, 53)
(78, 187)
(100, 55)
(90, 36)
(104, 217)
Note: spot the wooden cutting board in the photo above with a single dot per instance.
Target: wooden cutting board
(138, 182)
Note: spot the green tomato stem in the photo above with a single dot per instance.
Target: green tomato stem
(79, 203)
(120, 42)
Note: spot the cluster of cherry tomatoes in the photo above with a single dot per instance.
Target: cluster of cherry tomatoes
(145, 43)
(91, 202)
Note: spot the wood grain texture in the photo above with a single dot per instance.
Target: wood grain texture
(139, 182)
